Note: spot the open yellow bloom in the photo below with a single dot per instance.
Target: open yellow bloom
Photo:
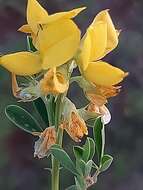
(22, 63)
(55, 36)
(101, 38)
(56, 41)
(53, 82)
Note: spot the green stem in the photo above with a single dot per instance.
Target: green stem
(55, 163)
(49, 107)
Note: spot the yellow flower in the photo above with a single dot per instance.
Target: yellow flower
(55, 36)
(46, 139)
(101, 38)
(76, 127)
(22, 63)
(53, 82)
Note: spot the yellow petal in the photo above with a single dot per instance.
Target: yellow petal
(112, 36)
(58, 43)
(62, 15)
(22, 63)
(35, 14)
(83, 57)
(98, 35)
(25, 28)
(104, 74)
(93, 45)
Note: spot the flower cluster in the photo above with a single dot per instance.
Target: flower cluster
(58, 48)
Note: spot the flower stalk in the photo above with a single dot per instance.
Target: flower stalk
(55, 163)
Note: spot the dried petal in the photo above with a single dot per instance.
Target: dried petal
(76, 127)
(46, 139)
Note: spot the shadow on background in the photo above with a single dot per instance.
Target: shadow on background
(18, 168)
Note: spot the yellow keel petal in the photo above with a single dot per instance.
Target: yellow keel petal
(22, 63)
(104, 74)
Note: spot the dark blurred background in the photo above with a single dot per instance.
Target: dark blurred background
(18, 169)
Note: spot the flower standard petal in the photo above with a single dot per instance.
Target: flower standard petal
(104, 74)
(83, 56)
(98, 35)
(62, 15)
(112, 38)
(22, 63)
(58, 43)
(35, 14)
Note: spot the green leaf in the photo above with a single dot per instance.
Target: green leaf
(22, 119)
(86, 152)
(64, 159)
(73, 187)
(88, 167)
(41, 108)
(80, 166)
(78, 152)
(99, 137)
(80, 183)
(92, 148)
(94, 165)
(106, 162)
(30, 45)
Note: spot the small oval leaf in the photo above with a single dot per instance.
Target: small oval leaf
(106, 162)
(41, 109)
(88, 168)
(92, 148)
(22, 119)
(99, 137)
(64, 159)
(86, 152)
(78, 152)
